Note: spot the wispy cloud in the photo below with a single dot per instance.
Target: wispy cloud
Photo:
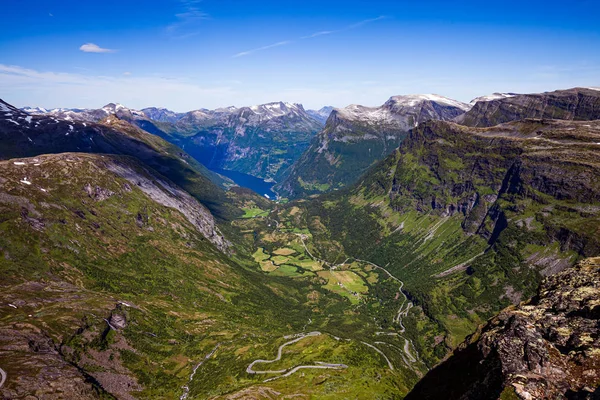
(311, 36)
(187, 20)
(317, 34)
(248, 52)
(365, 22)
(94, 48)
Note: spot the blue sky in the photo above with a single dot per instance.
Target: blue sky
(186, 54)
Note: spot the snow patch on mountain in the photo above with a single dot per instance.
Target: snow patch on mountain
(357, 112)
(493, 96)
(413, 100)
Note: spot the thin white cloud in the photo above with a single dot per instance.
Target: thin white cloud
(349, 27)
(94, 48)
(317, 34)
(311, 36)
(248, 52)
(366, 21)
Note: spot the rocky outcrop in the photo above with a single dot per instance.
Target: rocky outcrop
(578, 104)
(546, 348)
(35, 368)
(169, 195)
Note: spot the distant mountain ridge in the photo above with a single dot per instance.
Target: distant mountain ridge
(314, 151)
(261, 140)
(322, 114)
(162, 114)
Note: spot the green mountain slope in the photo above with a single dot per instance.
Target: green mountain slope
(468, 218)
(126, 273)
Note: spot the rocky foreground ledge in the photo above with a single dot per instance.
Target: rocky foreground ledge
(546, 348)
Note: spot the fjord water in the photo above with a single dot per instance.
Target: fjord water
(258, 185)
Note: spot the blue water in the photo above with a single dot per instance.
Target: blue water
(248, 181)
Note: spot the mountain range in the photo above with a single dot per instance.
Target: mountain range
(427, 249)
(261, 140)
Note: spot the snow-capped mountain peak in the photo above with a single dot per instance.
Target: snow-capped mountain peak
(162, 114)
(276, 109)
(402, 112)
(413, 100)
(34, 110)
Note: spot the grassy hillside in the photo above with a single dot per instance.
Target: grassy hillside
(114, 283)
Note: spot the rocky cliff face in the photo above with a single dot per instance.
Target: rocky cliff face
(356, 136)
(578, 104)
(486, 175)
(546, 348)
(35, 176)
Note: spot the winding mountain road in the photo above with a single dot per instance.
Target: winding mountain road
(286, 372)
(320, 366)
(389, 363)
(402, 312)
